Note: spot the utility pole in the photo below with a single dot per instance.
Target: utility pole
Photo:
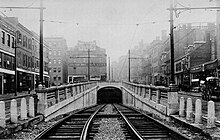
(129, 66)
(109, 78)
(88, 64)
(41, 45)
(172, 81)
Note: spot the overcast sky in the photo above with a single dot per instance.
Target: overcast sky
(116, 25)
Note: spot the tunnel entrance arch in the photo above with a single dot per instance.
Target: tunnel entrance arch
(109, 94)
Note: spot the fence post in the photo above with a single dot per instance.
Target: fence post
(182, 107)
(31, 107)
(211, 114)
(189, 109)
(198, 112)
(23, 109)
(2, 114)
(14, 111)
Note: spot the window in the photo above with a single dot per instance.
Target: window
(59, 69)
(54, 78)
(54, 61)
(54, 70)
(50, 52)
(59, 61)
(29, 44)
(24, 41)
(12, 42)
(8, 40)
(24, 60)
(59, 53)
(3, 37)
(32, 61)
(59, 78)
(19, 39)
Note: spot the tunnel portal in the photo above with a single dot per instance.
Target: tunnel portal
(109, 95)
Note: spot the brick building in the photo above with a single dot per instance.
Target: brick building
(87, 61)
(14, 34)
(57, 60)
(194, 53)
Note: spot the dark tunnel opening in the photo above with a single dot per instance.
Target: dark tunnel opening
(109, 95)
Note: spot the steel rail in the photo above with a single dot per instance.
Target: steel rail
(86, 126)
(134, 130)
(66, 116)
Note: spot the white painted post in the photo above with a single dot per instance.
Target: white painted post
(182, 107)
(198, 112)
(31, 107)
(2, 114)
(211, 114)
(189, 109)
(14, 111)
(23, 109)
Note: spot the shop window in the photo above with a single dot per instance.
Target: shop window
(8, 40)
(3, 37)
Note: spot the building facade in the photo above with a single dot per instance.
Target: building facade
(57, 60)
(87, 62)
(14, 36)
(7, 62)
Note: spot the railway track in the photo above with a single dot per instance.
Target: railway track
(86, 124)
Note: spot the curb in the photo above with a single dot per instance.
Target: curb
(13, 128)
(192, 126)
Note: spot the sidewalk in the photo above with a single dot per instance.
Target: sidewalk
(12, 95)
(195, 94)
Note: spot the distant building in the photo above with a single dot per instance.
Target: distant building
(87, 61)
(57, 60)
